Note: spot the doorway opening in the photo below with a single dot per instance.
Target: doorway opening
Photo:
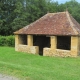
(41, 41)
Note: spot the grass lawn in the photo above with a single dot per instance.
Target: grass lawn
(35, 67)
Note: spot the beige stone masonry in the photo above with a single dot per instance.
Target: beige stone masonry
(74, 45)
(57, 52)
(63, 53)
(28, 49)
(19, 46)
(23, 48)
(53, 42)
(16, 42)
(34, 49)
(52, 51)
(47, 52)
(30, 40)
(79, 46)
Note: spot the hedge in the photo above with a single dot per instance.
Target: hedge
(7, 41)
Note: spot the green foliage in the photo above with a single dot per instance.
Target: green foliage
(10, 40)
(7, 41)
(3, 41)
(74, 8)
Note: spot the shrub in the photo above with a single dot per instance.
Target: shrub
(2, 41)
(7, 40)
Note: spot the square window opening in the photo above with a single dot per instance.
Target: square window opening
(23, 39)
(64, 42)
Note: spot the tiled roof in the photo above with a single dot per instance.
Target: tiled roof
(61, 23)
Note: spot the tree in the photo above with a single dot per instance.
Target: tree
(73, 7)
(52, 6)
(6, 8)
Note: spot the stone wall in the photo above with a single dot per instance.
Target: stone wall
(57, 52)
(23, 48)
(74, 45)
(79, 45)
(52, 51)
(48, 52)
(28, 49)
(16, 42)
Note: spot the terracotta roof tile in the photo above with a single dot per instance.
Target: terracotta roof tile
(61, 23)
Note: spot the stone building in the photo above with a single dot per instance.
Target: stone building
(54, 34)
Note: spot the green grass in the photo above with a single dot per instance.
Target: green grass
(35, 67)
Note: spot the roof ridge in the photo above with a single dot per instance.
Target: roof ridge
(71, 23)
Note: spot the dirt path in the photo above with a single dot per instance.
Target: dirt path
(4, 77)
